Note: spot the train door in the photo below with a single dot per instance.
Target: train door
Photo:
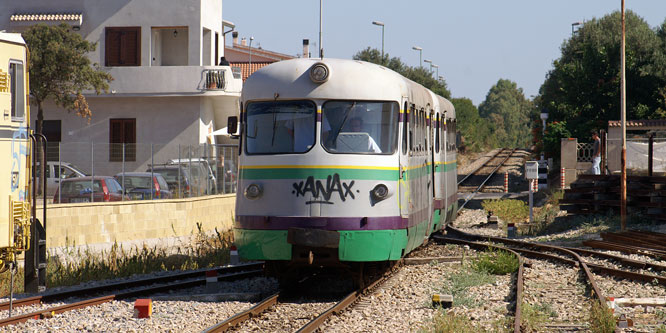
(404, 160)
(430, 167)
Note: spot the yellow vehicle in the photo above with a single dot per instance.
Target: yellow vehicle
(15, 149)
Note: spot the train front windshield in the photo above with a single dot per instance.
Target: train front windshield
(360, 127)
(281, 127)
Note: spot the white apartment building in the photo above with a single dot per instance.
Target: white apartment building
(168, 92)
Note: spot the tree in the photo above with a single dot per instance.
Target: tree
(60, 70)
(509, 111)
(419, 74)
(474, 130)
(583, 88)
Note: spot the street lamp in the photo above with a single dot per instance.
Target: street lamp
(574, 25)
(437, 67)
(381, 24)
(418, 48)
(429, 62)
(250, 62)
(441, 78)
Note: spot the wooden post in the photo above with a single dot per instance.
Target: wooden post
(623, 120)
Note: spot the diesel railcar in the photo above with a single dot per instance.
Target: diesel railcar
(341, 162)
(15, 145)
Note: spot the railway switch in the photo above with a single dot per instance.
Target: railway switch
(143, 308)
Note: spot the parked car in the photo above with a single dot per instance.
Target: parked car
(83, 189)
(229, 179)
(202, 177)
(140, 186)
(56, 171)
(177, 177)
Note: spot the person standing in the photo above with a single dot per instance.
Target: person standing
(596, 153)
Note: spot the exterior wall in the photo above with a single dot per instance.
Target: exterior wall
(99, 223)
(614, 139)
(178, 124)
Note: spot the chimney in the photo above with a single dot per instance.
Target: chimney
(235, 36)
(243, 42)
(306, 48)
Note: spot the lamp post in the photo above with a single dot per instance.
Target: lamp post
(441, 78)
(381, 24)
(574, 25)
(429, 62)
(544, 117)
(436, 67)
(250, 62)
(418, 48)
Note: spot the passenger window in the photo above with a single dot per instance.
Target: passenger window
(405, 129)
(412, 127)
(17, 89)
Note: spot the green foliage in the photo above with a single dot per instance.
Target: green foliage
(60, 70)
(555, 131)
(510, 112)
(476, 132)
(496, 262)
(84, 265)
(460, 282)
(451, 323)
(420, 75)
(533, 317)
(601, 319)
(583, 87)
(510, 210)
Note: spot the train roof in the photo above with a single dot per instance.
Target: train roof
(348, 79)
(12, 38)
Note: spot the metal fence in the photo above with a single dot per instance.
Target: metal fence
(187, 170)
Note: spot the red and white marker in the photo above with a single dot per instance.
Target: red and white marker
(233, 255)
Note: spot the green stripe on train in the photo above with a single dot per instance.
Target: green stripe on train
(319, 173)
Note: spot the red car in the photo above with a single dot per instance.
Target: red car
(87, 189)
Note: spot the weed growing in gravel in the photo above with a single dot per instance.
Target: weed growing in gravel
(601, 319)
(661, 329)
(532, 317)
(509, 210)
(451, 323)
(204, 250)
(496, 262)
(460, 282)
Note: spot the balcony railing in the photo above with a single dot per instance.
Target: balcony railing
(214, 79)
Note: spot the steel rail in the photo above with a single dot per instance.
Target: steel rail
(346, 302)
(583, 265)
(127, 284)
(245, 315)
(492, 173)
(519, 275)
(481, 166)
(623, 260)
(46, 313)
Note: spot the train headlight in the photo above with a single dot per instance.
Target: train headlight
(253, 191)
(319, 73)
(380, 192)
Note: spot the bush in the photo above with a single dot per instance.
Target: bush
(509, 210)
(496, 262)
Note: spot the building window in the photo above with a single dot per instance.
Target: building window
(17, 89)
(123, 46)
(122, 133)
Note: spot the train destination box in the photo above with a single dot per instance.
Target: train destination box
(532, 170)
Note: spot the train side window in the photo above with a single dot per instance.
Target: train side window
(17, 89)
(405, 129)
(437, 118)
(421, 130)
(412, 127)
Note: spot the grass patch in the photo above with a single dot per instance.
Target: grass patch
(601, 319)
(460, 282)
(533, 317)
(509, 210)
(450, 323)
(496, 262)
(203, 250)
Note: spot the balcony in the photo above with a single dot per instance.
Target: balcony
(173, 80)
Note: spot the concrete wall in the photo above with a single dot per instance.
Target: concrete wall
(100, 223)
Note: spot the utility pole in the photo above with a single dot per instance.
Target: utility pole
(623, 121)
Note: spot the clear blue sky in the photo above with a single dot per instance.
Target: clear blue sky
(474, 42)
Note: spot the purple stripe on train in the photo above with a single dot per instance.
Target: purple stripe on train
(324, 223)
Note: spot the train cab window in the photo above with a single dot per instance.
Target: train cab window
(279, 127)
(436, 127)
(405, 129)
(17, 89)
(360, 127)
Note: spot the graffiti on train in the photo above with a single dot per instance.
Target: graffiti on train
(322, 190)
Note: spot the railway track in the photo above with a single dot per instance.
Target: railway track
(127, 289)
(280, 312)
(482, 175)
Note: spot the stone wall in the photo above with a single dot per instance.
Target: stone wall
(104, 223)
